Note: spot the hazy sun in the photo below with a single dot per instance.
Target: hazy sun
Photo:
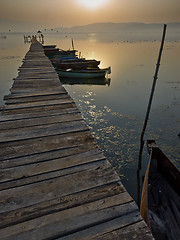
(93, 4)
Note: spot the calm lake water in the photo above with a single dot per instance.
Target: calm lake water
(115, 112)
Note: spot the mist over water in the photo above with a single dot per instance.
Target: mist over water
(115, 112)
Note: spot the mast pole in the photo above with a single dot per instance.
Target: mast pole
(153, 86)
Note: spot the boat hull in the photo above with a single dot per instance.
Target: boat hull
(160, 200)
(82, 74)
(76, 64)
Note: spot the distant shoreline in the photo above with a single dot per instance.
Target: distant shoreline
(105, 27)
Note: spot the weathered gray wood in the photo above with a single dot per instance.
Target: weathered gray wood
(41, 80)
(29, 67)
(34, 84)
(44, 120)
(51, 174)
(37, 104)
(37, 85)
(127, 227)
(62, 223)
(30, 115)
(38, 76)
(35, 94)
(22, 196)
(34, 90)
(37, 168)
(27, 147)
(50, 155)
(37, 98)
(38, 108)
(60, 203)
(42, 130)
(36, 73)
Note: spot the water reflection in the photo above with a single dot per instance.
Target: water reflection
(86, 81)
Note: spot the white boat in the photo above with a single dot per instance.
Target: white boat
(85, 73)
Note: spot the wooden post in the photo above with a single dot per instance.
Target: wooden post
(72, 44)
(153, 89)
(147, 114)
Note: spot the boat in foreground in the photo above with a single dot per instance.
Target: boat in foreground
(160, 200)
(85, 73)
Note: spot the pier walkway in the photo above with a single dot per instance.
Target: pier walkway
(55, 182)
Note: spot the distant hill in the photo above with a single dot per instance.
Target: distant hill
(114, 27)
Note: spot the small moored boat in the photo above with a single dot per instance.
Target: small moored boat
(78, 63)
(85, 73)
(160, 200)
(51, 51)
(60, 54)
(49, 46)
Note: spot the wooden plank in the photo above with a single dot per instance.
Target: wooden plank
(38, 104)
(28, 81)
(44, 120)
(38, 98)
(60, 203)
(44, 68)
(38, 109)
(36, 63)
(40, 75)
(37, 192)
(23, 80)
(38, 84)
(9, 118)
(127, 227)
(35, 66)
(42, 130)
(28, 147)
(56, 164)
(35, 94)
(37, 76)
(36, 59)
(62, 223)
(36, 73)
(50, 155)
(38, 81)
(54, 174)
(52, 77)
(44, 62)
(34, 90)
(137, 230)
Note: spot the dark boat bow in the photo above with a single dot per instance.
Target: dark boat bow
(160, 201)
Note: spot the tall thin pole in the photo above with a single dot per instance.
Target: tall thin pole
(72, 43)
(153, 86)
(147, 114)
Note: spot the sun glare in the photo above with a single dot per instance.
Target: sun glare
(93, 4)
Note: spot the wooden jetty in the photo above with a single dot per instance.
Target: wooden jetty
(55, 183)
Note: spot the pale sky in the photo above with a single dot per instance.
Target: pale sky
(16, 14)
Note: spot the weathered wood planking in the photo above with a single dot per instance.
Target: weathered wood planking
(55, 183)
